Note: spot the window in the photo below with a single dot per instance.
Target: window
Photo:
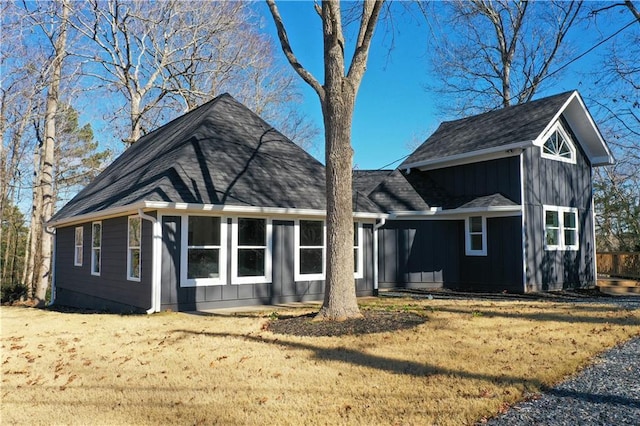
(133, 248)
(96, 243)
(357, 250)
(310, 253)
(476, 236)
(203, 260)
(251, 255)
(558, 146)
(77, 255)
(560, 228)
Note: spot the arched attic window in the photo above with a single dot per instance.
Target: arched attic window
(558, 145)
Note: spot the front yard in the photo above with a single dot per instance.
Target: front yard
(466, 361)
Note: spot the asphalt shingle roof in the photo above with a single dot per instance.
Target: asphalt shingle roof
(219, 153)
(518, 123)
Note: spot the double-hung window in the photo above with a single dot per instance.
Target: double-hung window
(560, 228)
(203, 251)
(134, 245)
(96, 244)
(476, 236)
(357, 250)
(251, 255)
(77, 254)
(309, 257)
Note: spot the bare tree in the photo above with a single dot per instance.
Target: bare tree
(337, 97)
(165, 58)
(489, 54)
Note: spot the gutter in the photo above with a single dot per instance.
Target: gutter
(377, 226)
(155, 256)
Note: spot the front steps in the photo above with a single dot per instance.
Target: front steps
(619, 286)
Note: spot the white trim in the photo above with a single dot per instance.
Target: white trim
(593, 231)
(93, 264)
(523, 223)
(561, 246)
(296, 257)
(156, 255)
(129, 248)
(268, 253)
(485, 154)
(53, 270)
(204, 209)
(359, 264)
(467, 237)
(376, 276)
(184, 251)
(437, 214)
(558, 127)
(76, 261)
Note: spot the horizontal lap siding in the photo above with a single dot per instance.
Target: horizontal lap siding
(282, 289)
(110, 290)
(559, 184)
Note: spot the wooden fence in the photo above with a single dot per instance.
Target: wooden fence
(619, 264)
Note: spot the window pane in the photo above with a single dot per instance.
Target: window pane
(355, 260)
(569, 237)
(311, 233)
(78, 259)
(134, 232)
(475, 224)
(78, 236)
(96, 260)
(551, 218)
(552, 237)
(476, 242)
(134, 272)
(311, 261)
(252, 232)
(250, 262)
(203, 263)
(204, 231)
(569, 220)
(355, 234)
(97, 234)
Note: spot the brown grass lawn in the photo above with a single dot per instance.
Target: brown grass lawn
(470, 359)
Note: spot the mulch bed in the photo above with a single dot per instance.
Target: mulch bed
(372, 322)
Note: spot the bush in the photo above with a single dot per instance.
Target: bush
(12, 292)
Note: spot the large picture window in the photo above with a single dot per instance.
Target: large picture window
(134, 245)
(560, 228)
(357, 251)
(203, 259)
(77, 254)
(476, 236)
(96, 244)
(310, 250)
(558, 146)
(251, 256)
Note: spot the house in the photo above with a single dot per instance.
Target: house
(218, 209)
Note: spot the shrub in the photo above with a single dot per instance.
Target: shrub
(12, 292)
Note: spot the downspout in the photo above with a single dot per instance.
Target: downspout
(53, 270)
(155, 262)
(375, 254)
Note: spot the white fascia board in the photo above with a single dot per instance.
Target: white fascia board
(486, 154)
(217, 208)
(491, 211)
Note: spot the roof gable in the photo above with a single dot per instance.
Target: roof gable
(219, 153)
(499, 132)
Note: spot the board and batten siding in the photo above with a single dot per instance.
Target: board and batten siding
(111, 290)
(556, 183)
(282, 289)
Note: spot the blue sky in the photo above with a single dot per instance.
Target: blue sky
(394, 109)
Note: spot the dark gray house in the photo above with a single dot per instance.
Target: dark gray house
(217, 208)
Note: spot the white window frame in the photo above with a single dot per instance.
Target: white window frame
(77, 260)
(569, 142)
(467, 232)
(184, 251)
(93, 249)
(267, 277)
(129, 248)
(359, 264)
(309, 277)
(561, 228)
